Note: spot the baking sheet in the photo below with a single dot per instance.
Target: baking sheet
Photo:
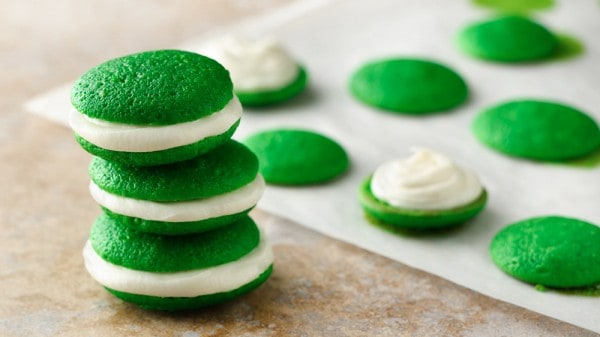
(331, 39)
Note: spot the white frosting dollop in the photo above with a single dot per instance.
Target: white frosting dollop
(232, 202)
(254, 65)
(148, 138)
(425, 181)
(222, 278)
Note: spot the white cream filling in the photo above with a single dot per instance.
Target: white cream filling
(191, 283)
(232, 202)
(148, 138)
(426, 180)
(254, 65)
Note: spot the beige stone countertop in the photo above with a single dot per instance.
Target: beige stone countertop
(320, 287)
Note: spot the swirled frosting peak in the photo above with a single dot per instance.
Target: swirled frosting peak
(426, 180)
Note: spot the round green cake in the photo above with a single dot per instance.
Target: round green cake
(297, 157)
(156, 91)
(551, 251)
(381, 212)
(508, 39)
(268, 97)
(411, 86)
(539, 130)
(226, 170)
(170, 255)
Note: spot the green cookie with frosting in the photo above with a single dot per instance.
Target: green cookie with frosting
(416, 219)
(154, 107)
(274, 96)
(178, 272)
(191, 196)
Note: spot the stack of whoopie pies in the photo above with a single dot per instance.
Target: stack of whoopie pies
(175, 190)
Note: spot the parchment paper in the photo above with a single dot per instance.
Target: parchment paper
(331, 39)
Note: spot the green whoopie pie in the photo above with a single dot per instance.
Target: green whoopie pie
(508, 39)
(552, 251)
(411, 86)
(135, 250)
(154, 88)
(385, 213)
(268, 97)
(539, 130)
(297, 157)
(223, 170)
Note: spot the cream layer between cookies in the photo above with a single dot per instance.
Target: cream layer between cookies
(217, 279)
(148, 138)
(232, 202)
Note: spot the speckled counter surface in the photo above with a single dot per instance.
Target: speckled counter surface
(320, 287)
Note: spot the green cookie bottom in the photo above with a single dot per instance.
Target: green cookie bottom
(189, 303)
(259, 98)
(161, 157)
(175, 228)
(416, 219)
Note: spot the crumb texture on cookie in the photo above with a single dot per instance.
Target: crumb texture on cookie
(159, 87)
(551, 251)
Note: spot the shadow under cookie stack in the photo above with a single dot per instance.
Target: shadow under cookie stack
(174, 189)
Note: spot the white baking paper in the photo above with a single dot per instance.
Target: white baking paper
(332, 38)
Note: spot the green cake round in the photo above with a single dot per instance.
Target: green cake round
(191, 196)
(262, 70)
(178, 272)
(297, 157)
(508, 39)
(273, 96)
(411, 86)
(154, 107)
(538, 130)
(551, 251)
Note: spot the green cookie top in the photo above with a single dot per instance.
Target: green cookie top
(261, 98)
(508, 39)
(297, 157)
(537, 130)
(382, 212)
(163, 254)
(222, 170)
(551, 251)
(408, 85)
(160, 87)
